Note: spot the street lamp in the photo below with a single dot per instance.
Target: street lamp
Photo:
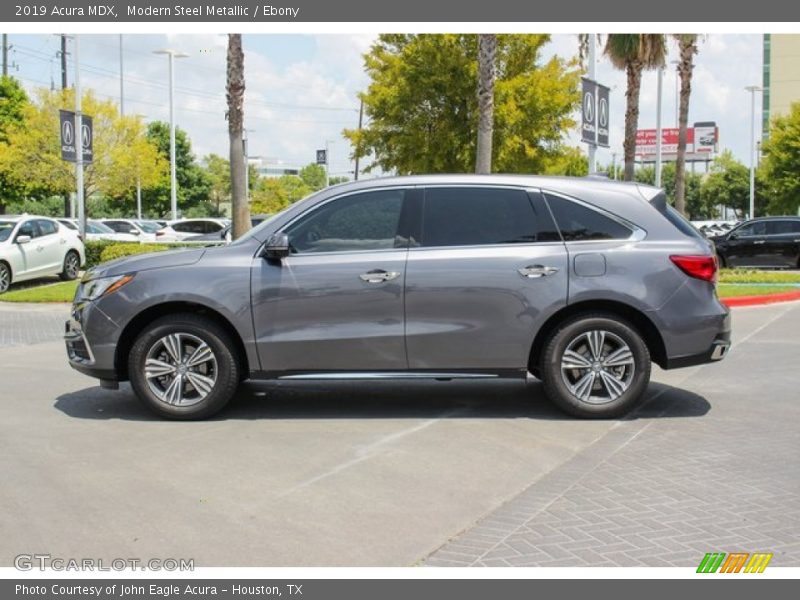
(677, 92)
(173, 54)
(753, 89)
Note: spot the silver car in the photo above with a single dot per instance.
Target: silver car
(579, 282)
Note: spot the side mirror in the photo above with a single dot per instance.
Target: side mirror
(23, 239)
(733, 235)
(277, 246)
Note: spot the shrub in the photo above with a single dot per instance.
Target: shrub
(118, 250)
(93, 251)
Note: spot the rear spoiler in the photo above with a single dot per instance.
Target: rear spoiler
(654, 196)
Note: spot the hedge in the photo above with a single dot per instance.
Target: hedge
(103, 250)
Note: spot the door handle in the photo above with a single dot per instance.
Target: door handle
(39, 248)
(536, 271)
(378, 276)
(759, 241)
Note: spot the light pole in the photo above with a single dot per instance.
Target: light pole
(591, 75)
(173, 191)
(658, 126)
(677, 90)
(753, 89)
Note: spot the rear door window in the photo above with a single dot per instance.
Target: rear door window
(787, 227)
(477, 216)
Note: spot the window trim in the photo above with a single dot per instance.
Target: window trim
(637, 233)
(310, 209)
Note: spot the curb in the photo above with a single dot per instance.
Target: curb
(762, 299)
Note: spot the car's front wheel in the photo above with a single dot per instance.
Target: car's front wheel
(72, 266)
(596, 366)
(184, 366)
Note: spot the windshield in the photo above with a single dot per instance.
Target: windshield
(95, 227)
(149, 226)
(6, 227)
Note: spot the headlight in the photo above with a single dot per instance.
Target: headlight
(103, 286)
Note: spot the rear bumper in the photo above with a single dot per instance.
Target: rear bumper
(716, 352)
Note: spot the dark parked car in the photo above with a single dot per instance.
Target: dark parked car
(766, 242)
(580, 282)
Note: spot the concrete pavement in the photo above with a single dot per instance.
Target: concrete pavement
(386, 475)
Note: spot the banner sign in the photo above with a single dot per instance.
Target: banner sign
(68, 137)
(700, 139)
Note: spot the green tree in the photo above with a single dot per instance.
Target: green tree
(780, 167)
(313, 175)
(423, 112)
(338, 179)
(13, 101)
(633, 53)
(728, 184)
(571, 162)
(194, 185)
(219, 174)
(30, 157)
(273, 194)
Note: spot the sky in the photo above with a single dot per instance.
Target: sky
(302, 89)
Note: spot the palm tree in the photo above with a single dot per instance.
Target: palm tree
(487, 49)
(633, 53)
(687, 48)
(235, 95)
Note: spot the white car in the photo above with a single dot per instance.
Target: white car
(32, 247)
(144, 230)
(96, 230)
(177, 231)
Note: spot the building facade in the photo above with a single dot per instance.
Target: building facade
(781, 76)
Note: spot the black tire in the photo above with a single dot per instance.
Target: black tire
(722, 262)
(595, 407)
(72, 266)
(226, 369)
(5, 278)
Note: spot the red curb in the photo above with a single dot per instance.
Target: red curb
(762, 299)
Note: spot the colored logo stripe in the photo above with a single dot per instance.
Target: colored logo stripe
(735, 562)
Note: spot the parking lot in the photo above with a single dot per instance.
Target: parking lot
(434, 474)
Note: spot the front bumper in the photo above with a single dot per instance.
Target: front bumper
(93, 360)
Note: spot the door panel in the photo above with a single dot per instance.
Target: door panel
(481, 285)
(52, 248)
(316, 313)
(336, 302)
(783, 241)
(470, 308)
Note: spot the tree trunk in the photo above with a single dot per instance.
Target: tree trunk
(687, 49)
(487, 48)
(634, 72)
(235, 95)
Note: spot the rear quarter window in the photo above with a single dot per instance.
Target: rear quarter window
(580, 223)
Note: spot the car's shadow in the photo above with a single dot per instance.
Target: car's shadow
(385, 400)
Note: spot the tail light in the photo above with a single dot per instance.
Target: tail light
(699, 267)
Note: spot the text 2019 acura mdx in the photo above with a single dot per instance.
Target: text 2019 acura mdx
(580, 282)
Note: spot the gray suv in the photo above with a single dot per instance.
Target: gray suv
(579, 282)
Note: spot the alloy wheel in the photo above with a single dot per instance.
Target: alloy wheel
(597, 367)
(72, 266)
(180, 369)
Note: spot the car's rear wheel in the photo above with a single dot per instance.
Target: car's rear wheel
(596, 366)
(72, 266)
(5, 277)
(184, 367)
